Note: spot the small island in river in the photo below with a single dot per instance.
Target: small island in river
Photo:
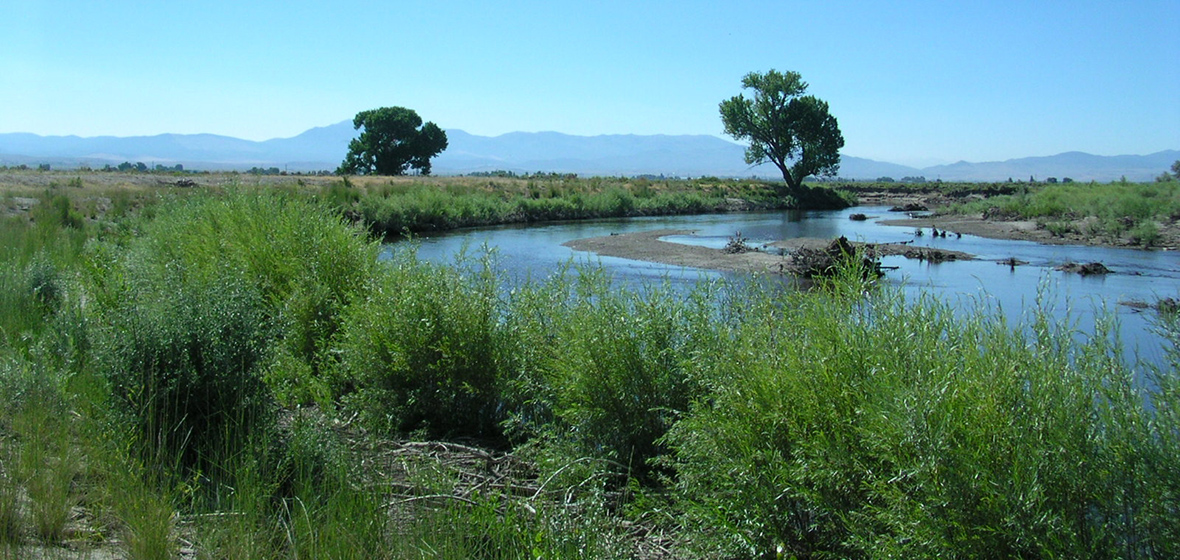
(780, 257)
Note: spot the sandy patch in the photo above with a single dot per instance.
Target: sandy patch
(647, 246)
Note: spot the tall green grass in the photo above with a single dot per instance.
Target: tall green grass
(238, 370)
(399, 209)
(44, 455)
(422, 353)
(885, 427)
(209, 300)
(1115, 210)
(37, 257)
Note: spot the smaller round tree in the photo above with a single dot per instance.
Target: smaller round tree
(393, 141)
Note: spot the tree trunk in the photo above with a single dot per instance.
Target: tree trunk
(792, 186)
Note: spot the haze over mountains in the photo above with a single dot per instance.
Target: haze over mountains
(323, 148)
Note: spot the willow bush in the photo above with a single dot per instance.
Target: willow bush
(200, 306)
(183, 360)
(880, 427)
(620, 372)
(420, 353)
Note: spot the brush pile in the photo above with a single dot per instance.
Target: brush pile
(825, 262)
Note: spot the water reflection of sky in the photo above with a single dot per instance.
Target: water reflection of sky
(536, 251)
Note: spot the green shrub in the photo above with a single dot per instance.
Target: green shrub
(1160, 516)
(1146, 234)
(341, 195)
(45, 284)
(620, 371)
(214, 294)
(821, 198)
(853, 428)
(1059, 229)
(536, 312)
(420, 353)
(183, 358)
(29, 296)
(56, 211)
(304, 262)
(618, 202)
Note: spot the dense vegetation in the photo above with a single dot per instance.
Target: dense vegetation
(238, 374)
(394, 209)
(1108, 211)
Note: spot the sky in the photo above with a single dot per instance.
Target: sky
(911, 82)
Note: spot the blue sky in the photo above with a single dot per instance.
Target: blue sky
(910, 82)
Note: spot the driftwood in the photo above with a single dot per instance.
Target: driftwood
(1086, 269)
(737, 245)
(930, 255)
(813, 263)
(186, 183)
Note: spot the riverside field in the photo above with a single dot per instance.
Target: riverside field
(228, 371)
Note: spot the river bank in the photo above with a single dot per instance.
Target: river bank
(1030, 230)
(1098, 215)
(243, 375)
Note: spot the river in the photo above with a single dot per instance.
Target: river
(536, 251)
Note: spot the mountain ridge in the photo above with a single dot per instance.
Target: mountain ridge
(321, 148)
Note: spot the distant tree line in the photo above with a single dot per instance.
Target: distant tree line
(502, 174)
(142, 167)
(267, 171)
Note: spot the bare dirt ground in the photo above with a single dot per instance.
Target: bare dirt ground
(647, 246)
(776, 258)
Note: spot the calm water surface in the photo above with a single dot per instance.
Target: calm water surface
(536, 251)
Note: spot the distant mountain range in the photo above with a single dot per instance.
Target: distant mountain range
(323, 148)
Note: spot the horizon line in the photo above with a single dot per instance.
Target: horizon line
(719, 137)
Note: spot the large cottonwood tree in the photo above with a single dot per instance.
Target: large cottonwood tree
(394, 140)
(793, 131)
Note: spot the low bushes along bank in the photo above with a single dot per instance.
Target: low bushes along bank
(250, 364)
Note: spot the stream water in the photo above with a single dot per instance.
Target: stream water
(536, 251)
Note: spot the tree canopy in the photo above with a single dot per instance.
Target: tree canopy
(791, 130)
(393, 141)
